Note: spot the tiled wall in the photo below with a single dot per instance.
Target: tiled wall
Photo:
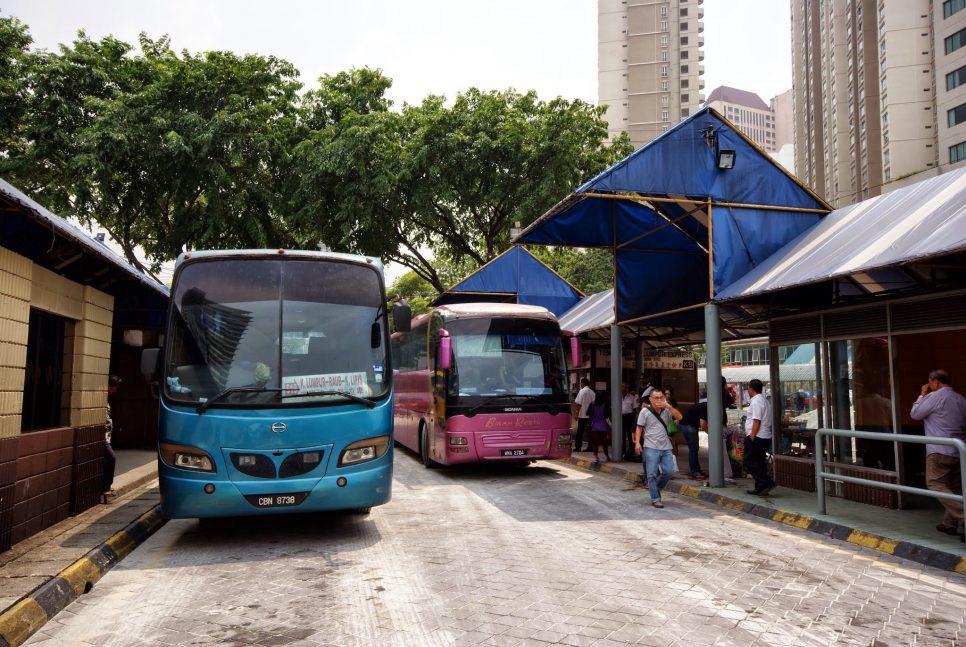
(15, 279)
(50, 474)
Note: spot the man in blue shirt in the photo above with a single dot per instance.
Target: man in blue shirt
(943, 413)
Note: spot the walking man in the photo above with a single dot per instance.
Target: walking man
(652, 424)
(585, 397)
(758, 433)
(943, 412)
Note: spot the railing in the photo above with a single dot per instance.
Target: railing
(821, 475)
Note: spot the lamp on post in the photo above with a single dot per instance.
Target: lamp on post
(726, 158)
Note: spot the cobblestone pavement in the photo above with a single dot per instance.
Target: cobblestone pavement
(511, 556)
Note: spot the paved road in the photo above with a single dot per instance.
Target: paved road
(531, 556)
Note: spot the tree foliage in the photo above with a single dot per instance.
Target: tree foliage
(173, 151)
(588, 270)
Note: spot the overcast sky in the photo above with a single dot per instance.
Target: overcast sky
(425, 46)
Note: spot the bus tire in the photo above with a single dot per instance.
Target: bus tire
(428, 462)
(361, 511)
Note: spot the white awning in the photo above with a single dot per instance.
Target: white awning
(868, 240)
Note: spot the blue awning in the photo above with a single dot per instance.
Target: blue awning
(680, 227)
(515, 276)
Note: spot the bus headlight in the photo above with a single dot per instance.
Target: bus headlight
(186, 457)
(364, 450)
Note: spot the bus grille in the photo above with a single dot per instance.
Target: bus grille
(522, 439)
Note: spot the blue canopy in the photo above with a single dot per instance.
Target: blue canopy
(681, 226)
(515, 276)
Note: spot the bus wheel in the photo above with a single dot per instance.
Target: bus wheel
(428, 462)
(361, 511)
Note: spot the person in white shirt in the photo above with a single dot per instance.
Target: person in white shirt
(581, 405)
(628, 405)
(758, 434)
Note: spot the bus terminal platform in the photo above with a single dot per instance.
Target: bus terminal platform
(31, 565)
(907, 533)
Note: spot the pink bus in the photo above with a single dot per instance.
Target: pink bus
(482, 382)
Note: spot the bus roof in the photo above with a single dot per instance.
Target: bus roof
(476, 310)
(275, 253)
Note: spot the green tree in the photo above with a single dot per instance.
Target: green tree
(163, 151)
(14, 62)
(433, 185)
(588, 270)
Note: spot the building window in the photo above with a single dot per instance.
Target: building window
(664, 70)
(664, 10)
(685, 112)
(684, 39)
(956, 78)
(684, 83)
(665, 116)
(957, 153)
(684, 98)
(684, 53)
(684, 69)
(664, 56)
(684, 13)
(663, 41)
(664, 86)
(664, 100)
(955, 41)
(952, 6)
(957, 115)
(663, 25)
(682, 26)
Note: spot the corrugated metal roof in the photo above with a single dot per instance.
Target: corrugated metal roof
(920, 221)
(67, 230)
(590, 313)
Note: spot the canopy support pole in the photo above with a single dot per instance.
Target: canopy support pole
(616, 419)
(712, 343)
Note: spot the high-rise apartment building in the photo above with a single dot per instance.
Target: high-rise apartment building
(649, 64)
(748, 112)
(872, 102)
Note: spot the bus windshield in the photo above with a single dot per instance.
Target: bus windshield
(257, 332)
(506, 357)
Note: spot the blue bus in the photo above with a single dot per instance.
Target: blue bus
(275, 384)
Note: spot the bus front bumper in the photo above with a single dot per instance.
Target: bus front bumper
(186, 498)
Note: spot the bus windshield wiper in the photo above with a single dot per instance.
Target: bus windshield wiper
(203, 406)
(345, 394)
(552, 410)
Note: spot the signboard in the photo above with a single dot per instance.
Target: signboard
(354, 383)
(680, 360)
(627, 357)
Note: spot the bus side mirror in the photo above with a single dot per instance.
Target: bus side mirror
(402, 316)
(576, 351)
(150, 359)
(445, 351)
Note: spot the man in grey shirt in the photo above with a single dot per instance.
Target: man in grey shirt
(943, 412)
(652, 423)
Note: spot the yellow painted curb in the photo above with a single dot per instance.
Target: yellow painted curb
(871, 541)
(121, 543)
(792, 519)
(21, 621)
(961, 566)
(80, 573)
